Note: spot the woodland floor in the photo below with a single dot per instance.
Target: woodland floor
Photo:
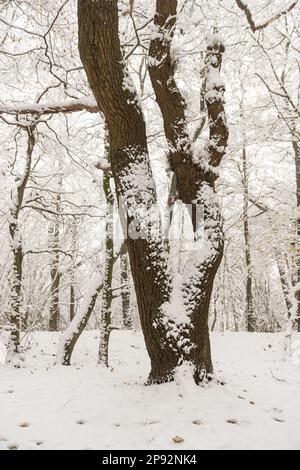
(86, 406)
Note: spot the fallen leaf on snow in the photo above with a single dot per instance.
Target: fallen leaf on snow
(177, 439)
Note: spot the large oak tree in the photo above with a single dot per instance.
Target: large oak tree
(171, 337)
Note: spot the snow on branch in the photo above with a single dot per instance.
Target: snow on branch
(69, 106)
(215, 101)
(256, 27)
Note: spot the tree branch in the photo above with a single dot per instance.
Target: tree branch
(256, 27)
(189, 170)
(39, 109)
(162, 71)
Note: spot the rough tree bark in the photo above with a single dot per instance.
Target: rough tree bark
(195, 180)
(168, 344)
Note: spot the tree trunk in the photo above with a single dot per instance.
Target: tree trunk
(54, 311)
(296, 147)
(17, 249)
(107, 295)
(125, 294)
(100, 52)
(286, 287)
(72, 302)
(71, 335)
(250, 321)
(287, 291)
(285, 278)
(16, 295)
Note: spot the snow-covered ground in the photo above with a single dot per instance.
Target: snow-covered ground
(86, 406)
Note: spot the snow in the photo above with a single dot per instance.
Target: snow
(213, 80)
(3, 352)
(214, 39)
(175, 309)
(87, 406)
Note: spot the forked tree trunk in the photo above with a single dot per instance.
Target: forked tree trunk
(168, 344)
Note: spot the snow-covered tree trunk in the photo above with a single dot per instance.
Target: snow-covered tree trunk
(74, 242)
(287, 294)
(285, 281)
(296, 148)
(125, 294)
(101, 55)
(170, 337)
(107, 294)
(54, 311)
(249, 317)
(17, 197)
(195, 174)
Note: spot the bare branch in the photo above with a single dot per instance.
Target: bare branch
(256, 27)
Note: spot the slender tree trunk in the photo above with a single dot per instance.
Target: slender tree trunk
(296, 147)
(285, 278)
(287, 291)
(71, 335)
(250, 321)
(125, 294)
(17, 249)
(107, 295)
(72, 302)
(215, 313)
(72, 306)
(286, 287)
(54, 312)
(16, 294)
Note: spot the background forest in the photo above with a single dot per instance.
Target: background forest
(63, 257)
(61, 207)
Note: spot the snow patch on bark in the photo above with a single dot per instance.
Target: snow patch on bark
(175, 309)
